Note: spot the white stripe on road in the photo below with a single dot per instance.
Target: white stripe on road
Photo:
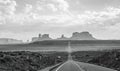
(78, 66)
(73, 64)
(60, 66)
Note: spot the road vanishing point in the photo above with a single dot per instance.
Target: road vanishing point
(71, 65)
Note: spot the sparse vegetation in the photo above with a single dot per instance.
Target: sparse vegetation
(29, 61)
(34, 61)
(107, 58)
(85, 56)
(110, 59)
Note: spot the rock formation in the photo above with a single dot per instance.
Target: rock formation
(82, 36)
(41, 37)
(75, 36)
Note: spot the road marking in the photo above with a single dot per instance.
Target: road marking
(78, 66)
(60, 66)
(71, 62)
(82, 68)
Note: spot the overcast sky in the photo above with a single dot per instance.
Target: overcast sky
(23, 19)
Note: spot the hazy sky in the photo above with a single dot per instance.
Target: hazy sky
(23, 19)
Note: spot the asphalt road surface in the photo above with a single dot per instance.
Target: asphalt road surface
(71, 65)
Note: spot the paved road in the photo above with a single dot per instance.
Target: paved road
(48, 68)
(69, 66)
(79, 66)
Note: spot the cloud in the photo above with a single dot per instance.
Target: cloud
(57, 13)
(7, 9)
(101, 17)
(28, 8)
(5, 1)
(52, 7)
(62, 4)
(8, 6)
(94, 4)
(41, 12)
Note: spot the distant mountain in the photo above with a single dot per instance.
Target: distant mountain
(41, 37)
(9, 41)
(82, 36)
(75, 36)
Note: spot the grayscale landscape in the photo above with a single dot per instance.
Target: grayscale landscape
(59, 35)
